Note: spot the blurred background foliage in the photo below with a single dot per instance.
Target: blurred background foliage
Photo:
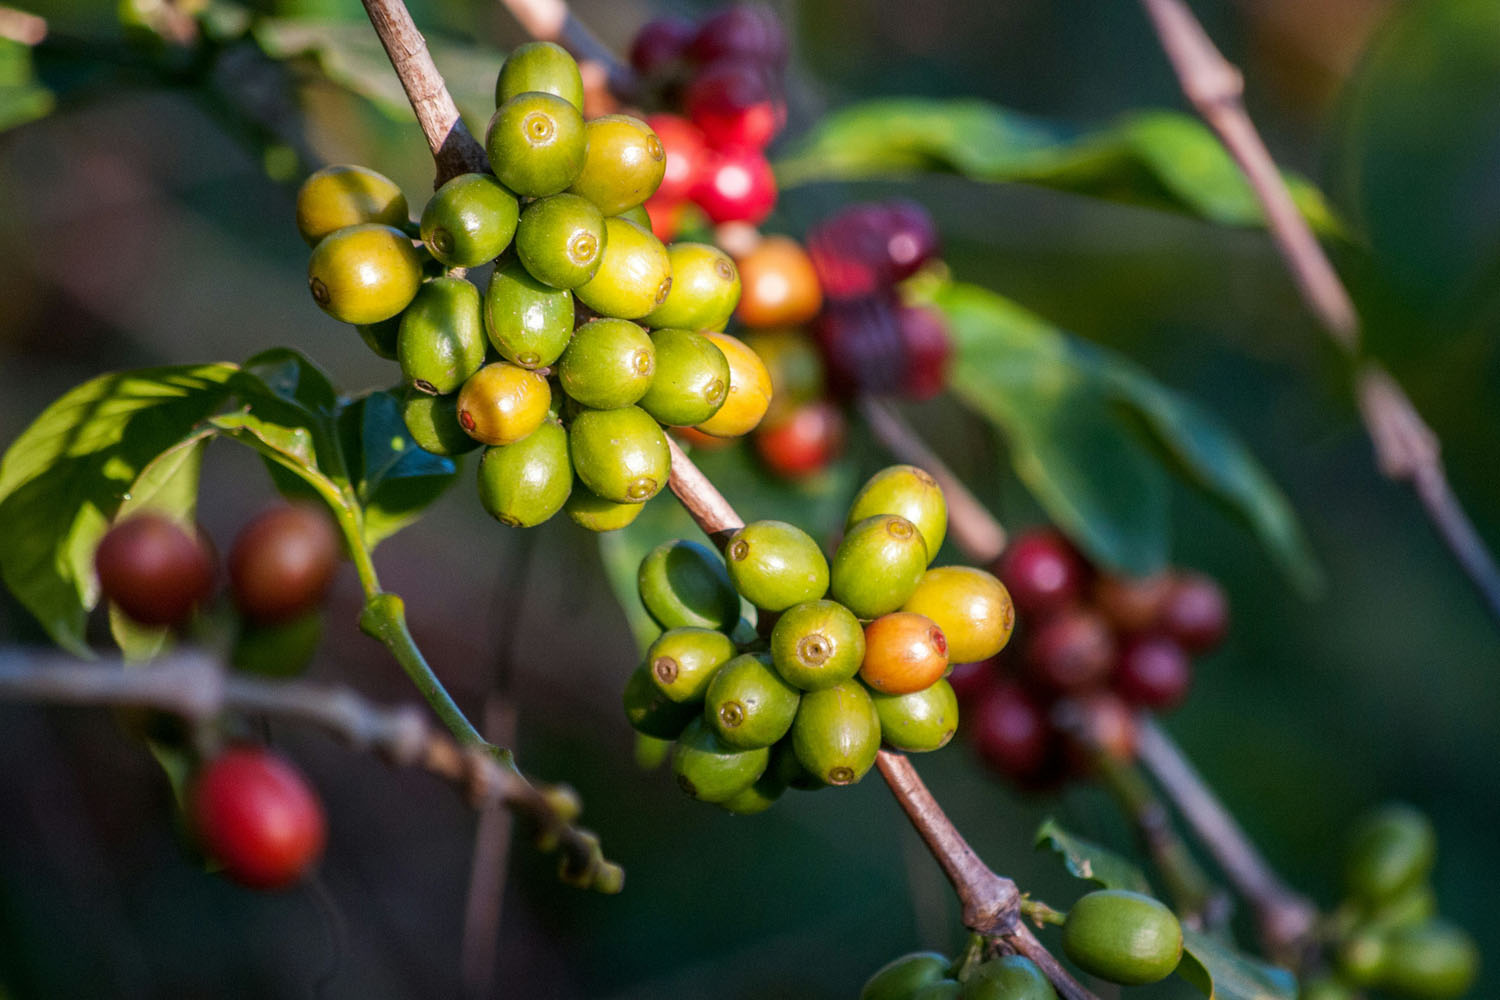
(150, 223)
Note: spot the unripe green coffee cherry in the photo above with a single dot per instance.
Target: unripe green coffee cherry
(634, 273)
(878, 565)
(364, 274)
(525, 483)
(561, 240)
(609, 363)
(283, 649)
(711, 770)
(972, 607)
(748, 704)
(683, 583)
(540, 67)
(432, 422)
(1433, 960)
(638, 215)
(1124, 937)
(652, 713)
(817, 644)
(536, 144)
(683, 660)
(760, 796)
(469, 220)
(624, 165)
(621, 455)
(598, 514)
(775, 565)
(692, 378)
(836, 734)
(789, 770)
(920, 721)
(943, 989)
(381, 337)
(1392, 850)
(1010, 977)
(528, 322)
(441, 343)
(1414, 905)
(705, 289)
(910, 492)
(899, 978)
(345, 195)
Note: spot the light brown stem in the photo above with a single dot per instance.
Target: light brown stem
(20, 26)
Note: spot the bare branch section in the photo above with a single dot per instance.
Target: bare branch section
(1405, 447)
(19, 26)
(553, 21)
(197, 688)
(454, 150)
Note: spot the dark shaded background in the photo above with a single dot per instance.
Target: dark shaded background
(140, 231)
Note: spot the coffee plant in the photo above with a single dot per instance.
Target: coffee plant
(624, 267)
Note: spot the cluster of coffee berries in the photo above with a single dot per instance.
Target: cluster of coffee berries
(1097, 649)
(281, 565)
(1387, 934)
(724, 74)
(551, 367)
(255, 815)
(851, 653)
(930, 975)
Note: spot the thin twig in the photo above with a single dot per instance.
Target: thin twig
(1286, 918)
(198, 688)
(1405, 447)
(20, 26)
(454, 150)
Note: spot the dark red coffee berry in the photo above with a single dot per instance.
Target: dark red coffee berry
(970, 681)
(1043, 572)
(868, 247)
(1132, 604)
(911, 238)
(1010, 732)
(686, 154)
(926, 351)
(257, 817)
(804, 442)
(660, 43)
(861, 343)
(1071, 652)
(1095, 723)
(1153, 671)
(1196, 612)
(736, 186)
(744, 30)
(736, 103)
(153, 570)
(282, 563)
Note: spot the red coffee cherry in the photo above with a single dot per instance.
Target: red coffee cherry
(257, 817)
(736, 103)
(1043, 572)
(861, 342)
(745, 30)
(736, 186)
(1098, 722)
(1132, 604)
(911, 238)
(926, 350)
(687, 151)
(1071, 652)
(282, 563)
(1153, 671)
(153, 570)
(972, 681)
(803, 443)
(1196, 612)
(660, 43)
(866, 248)
(1010, 732)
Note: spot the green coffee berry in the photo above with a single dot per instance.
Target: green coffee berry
(817, 644)
(776, 565)
(469, 220)
(836, 734)
(634, 273)
(536, 144)
(910, 492)
(709, 769)
(1124, 937)
(691, 381)
(561, 240)
(920, 721)
(525, 483)
(441, 342)
(609, 363)
(705, 289)
(684, 583)
(528, 322)
(748, 704)
(432, 422)
(652, 713)
(682, 661)
(878, 565)
(621, 454)
(540, 67)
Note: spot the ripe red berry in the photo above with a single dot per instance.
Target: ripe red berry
(257, 817)
(747, 30)
(861, 342)
(282, 563)
(1071, 652)
(1043, 572)
(1098, 722)
(660, 43)
(809, 438)
(1010, 732)
(736, 186)
(911, 238)
(970, 681)
(926, 351)
(866, 248)
(686, 152)
(1196, 612)
(153, 570)
(1153, 671)
(736, 103)
(1132, 604)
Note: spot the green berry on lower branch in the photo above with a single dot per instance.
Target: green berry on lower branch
(682, 661)
(1010, 977)
(899, 978)
(684, 583)
(711, 770)
(432, 422)
(1124, 937)
(1391, 850)
(621, 455)
(525, 483)
(748, 704)
(836, 734)
(1433, 960)
(943, 989)
(776, 565)
(442, 341)
(920, 721)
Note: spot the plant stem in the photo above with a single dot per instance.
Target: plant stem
(1405, 447)
(384, 618)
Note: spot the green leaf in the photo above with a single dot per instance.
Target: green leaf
(286, 388)
(22, 98)
(350, 54)
(65, 477)
(1161, 159)
(393, 477)
(1087, 860)
(168, 486)
(1088, 432)
(1223, 973)
(287, 446)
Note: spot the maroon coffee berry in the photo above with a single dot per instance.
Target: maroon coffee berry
(1132, 604)
(926, 350)
(1071, 652)
(861, 343)
(153, 570)
(1010, 732)
(971, 681)
(282, 563)
(1153, 671)
(660, 43)
(866, 248)
(742, 30)
(1196, 612)
(1094, 723)
(1043, 572)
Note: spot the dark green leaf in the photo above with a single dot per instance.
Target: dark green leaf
(394, 478)
(68, 473)
(1087, 860)
(1222, 973)
(1162, 159)
(22, 98)
(1087, 428)
(283, 387)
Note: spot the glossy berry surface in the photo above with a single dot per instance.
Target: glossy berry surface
(536, 144)
(692, 378)
(1124, 937)
(817, 644)
(256, 816)
(469, 220)
(621, 455)
(624, 164)
(909, 492)
(1043, 572)
(1153, 671)
(776, 565)
(540, 67)
(750, 391)
(502, 403)
(878, 564)
(153, 570)
(283, 562)
(970, 606)
(736, 185)
(735, 102)
(705, 289)
(347, 195)
(364, 274)
(904, 652)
